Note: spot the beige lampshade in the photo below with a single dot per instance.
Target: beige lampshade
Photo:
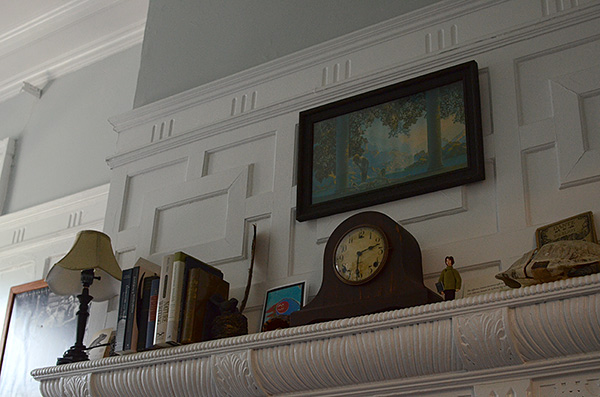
(92, 250)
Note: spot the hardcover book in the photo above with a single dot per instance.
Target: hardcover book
(193, 263)
(142, 269)
(154, 290)
(123, 309)
(182, 265)
(164, 296)
(144, 305)
(199, 311)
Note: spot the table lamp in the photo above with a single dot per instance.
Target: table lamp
(90, 259)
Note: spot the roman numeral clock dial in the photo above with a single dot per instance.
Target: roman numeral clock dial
(360, 254)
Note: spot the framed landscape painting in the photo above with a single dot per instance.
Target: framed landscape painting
(399, 141)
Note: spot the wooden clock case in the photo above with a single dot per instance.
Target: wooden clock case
(398, 285)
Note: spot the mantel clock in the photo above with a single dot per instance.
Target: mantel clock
(371, 264)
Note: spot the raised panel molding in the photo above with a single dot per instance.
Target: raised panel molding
(578, 161)
(403, 352)
(558, 90)
(215, 233)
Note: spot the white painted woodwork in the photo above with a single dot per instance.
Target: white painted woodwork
(535, 341)
(7, 153)
(42, 40)
(193, 171)
(32, 240)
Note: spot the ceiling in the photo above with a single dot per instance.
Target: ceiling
(41, 40)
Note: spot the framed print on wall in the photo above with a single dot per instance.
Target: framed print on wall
(39, 327)
(280, 302)
(403, 140)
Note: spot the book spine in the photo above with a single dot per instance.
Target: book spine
(131, 329)
(189, 311)
(143, 312)
(204, 312)
(175, 299)
(123, 309)
(164, 295)
(152, 312)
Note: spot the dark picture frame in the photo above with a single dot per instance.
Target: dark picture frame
(403, 140)
(39, 326)
(280, 302)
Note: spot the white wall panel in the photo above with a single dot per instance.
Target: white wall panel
(539, 89)
(36, 238)
(258, 151)
(557, 91)
(139, 183)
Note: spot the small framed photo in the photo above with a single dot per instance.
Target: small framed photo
(578, 227)
(280, 302)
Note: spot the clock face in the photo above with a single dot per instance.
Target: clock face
(360, 254)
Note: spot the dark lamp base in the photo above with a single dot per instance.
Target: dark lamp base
(73, 355)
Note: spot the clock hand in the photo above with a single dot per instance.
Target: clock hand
(368, 249)
(357, 269)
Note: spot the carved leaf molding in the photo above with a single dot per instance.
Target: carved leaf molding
(483, 340)
(232, 375)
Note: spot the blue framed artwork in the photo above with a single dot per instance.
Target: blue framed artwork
(399, 141)
(280, 302)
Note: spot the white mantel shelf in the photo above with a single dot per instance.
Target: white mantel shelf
(524, 334)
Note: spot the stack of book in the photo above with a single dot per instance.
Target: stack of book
(170, 305)
(134, 304)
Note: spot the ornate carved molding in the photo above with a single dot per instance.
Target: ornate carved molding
(484, 340)
(232, 376)
(543, 330)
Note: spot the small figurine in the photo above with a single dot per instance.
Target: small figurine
(450, 279)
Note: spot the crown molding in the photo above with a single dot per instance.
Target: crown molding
(382, 32)
(48, 47)
(303, 59)
(55, 19)
(295, 63)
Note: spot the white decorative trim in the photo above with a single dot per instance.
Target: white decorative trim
(55, 19)
(7, 153)
(391, 352)
(75, 386)
(246, 81)
(66, 53)
(484, 340)
(44, 224)
(303, 59)
(232, 375)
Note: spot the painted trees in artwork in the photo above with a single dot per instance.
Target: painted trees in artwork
(341, 140)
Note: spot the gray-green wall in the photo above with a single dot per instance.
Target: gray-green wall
(189, 42)
(64, 137)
